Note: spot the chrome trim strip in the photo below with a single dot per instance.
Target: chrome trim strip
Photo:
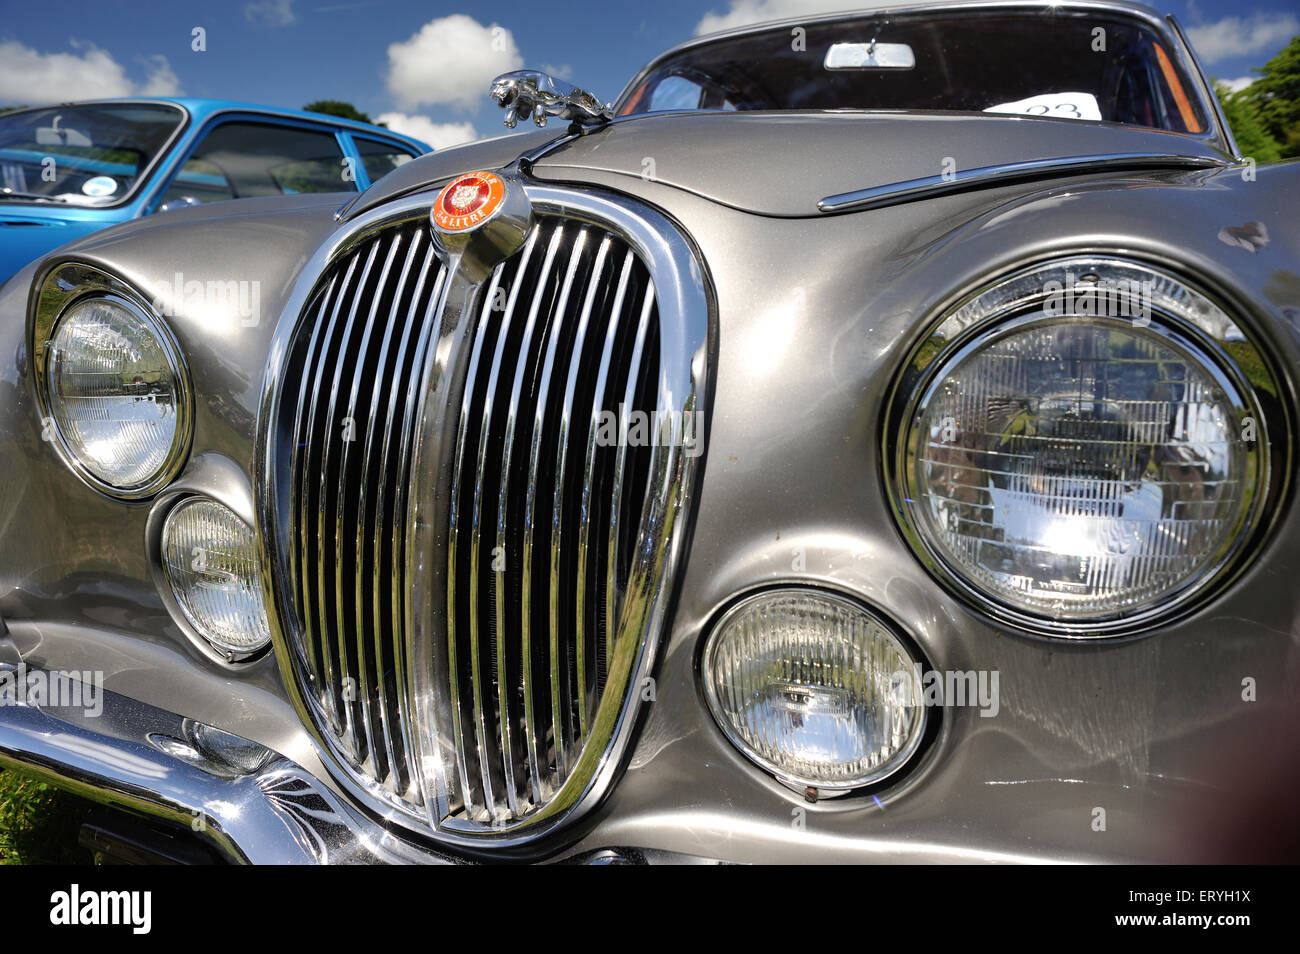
(453, 536)
(895, 193)
(255, 805)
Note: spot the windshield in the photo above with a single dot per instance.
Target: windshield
(89, 155)
(1072, 66)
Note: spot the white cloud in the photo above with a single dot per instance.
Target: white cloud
(1240, 83)
(745, 12)
(437, 135)
(564, 72)
(450, 61)
(33, 78)
(271, 13)
(1260, 34)
(162, 79)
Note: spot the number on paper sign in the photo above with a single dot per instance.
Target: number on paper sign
(1057, 105)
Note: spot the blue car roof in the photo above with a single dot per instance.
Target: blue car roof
(200, 109)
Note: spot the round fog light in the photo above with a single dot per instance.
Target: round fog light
(813, 688)
(210, 559)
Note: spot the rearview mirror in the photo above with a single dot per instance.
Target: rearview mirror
(870, 56)
(56, 135)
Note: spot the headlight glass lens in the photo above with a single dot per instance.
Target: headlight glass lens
(1080, 468)
(115, 393)
(813, 688)
(211, 560)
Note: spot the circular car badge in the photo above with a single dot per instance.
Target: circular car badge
(98, 186)
(467, 202)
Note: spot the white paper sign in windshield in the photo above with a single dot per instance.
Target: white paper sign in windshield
(1058, 105)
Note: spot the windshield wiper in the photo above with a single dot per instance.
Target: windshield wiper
(7, 193)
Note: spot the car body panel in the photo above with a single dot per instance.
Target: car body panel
(815, 316)
(743, 159)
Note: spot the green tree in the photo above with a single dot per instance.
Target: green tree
(1276, 97)
(1248, 129)
(336, 107)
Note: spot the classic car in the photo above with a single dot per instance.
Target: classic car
(870, 438)
(72, 169)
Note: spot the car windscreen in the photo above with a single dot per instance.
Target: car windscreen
(1084, 67)
(92, 154)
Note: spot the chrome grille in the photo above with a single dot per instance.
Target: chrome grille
(356, 374)
(476, 677)
(540, 505)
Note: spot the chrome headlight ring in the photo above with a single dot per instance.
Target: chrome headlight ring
(71, 285)
(1057, 304)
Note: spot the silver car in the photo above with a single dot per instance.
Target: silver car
(868, 439)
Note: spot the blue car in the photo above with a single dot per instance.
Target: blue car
(69, 170)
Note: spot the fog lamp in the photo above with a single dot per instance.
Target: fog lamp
(813, 688)
(211, 561)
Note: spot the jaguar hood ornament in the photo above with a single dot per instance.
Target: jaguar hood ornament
(525, 93)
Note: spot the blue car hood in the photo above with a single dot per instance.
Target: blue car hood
(27, 237)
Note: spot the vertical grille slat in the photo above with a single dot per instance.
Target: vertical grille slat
(347, 602)
(309, 654)
(560, 648)
(318, 635)
(343, 685)
(487, 679)
(372, 541)
(587, 642)
(536, 607)
(613, 589)
(425, 317)
(541, 502)
(510, 557)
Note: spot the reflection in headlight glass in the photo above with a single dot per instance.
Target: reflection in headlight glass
(1074, 468)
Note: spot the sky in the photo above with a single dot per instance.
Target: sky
(423, 66)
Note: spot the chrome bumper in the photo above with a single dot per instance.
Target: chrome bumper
(250, 804)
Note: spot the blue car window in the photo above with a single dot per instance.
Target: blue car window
(91, 155)
(238, 160)
(381, 158)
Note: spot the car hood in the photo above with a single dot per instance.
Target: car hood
(781, 164)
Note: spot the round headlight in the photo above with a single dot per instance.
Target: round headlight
(210, 559)
(1076, 452)
(117, 395)
(813, 688)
